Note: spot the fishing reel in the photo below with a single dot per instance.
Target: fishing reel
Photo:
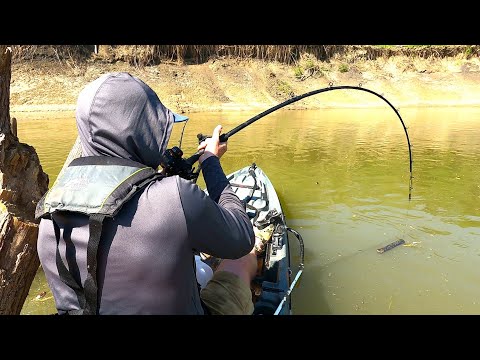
(174, 164)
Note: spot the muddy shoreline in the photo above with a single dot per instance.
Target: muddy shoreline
(246, 85)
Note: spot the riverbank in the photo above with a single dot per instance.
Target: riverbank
(235, 84)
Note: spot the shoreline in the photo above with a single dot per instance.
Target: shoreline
(54, 108)
(232, 84)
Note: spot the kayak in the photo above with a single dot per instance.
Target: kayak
(272, 286)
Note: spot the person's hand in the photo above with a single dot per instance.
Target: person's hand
(213, 146)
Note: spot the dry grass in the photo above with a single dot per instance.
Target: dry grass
(58, 52)
(144, 55)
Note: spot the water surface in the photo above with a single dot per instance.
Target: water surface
(343, 179)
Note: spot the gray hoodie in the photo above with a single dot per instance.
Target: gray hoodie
(146, 253)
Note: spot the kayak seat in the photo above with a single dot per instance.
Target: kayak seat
(259, 204)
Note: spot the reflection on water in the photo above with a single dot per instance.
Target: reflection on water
(343, 179)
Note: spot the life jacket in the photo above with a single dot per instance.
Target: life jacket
(96, 186)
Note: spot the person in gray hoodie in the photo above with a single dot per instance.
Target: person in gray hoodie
(143, 261)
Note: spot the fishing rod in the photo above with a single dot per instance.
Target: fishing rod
(174, 164)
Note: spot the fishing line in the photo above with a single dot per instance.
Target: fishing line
(181, 136)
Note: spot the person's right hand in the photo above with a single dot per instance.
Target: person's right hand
(213, 146)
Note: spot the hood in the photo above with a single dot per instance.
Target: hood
(119, 115)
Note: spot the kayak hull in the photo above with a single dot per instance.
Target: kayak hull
(273, 281)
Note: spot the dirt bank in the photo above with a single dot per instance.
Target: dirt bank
(234, 84)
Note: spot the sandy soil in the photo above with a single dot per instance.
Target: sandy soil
(233, 84)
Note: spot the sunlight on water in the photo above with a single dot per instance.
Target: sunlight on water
(343, 179)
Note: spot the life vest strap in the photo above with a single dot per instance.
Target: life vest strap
(91, 286)
(65, 275)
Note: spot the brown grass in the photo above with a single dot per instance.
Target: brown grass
(144, 55)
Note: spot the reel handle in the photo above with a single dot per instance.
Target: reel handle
(201, 137)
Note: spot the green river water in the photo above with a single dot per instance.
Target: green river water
(343, 178)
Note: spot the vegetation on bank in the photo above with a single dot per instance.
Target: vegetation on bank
(144, 55)
(239, 77)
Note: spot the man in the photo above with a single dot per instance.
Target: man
(136, 255)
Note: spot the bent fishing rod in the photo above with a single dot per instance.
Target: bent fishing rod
(174, 164)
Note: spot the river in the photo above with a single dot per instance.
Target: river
(342, 176)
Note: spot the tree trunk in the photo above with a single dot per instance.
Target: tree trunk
(22, 184)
